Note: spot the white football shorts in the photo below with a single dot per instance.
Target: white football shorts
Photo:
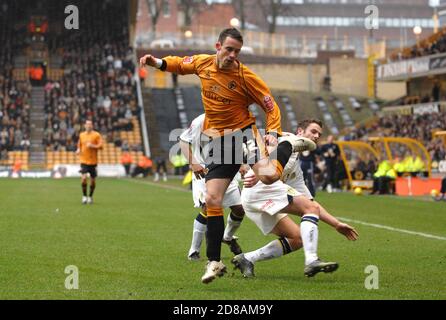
(231, 198)
(263, 203)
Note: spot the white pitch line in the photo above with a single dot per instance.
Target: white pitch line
(159, 185)
(380, 226)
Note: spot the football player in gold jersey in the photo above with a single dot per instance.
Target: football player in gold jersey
(228, 88)
(90, 142)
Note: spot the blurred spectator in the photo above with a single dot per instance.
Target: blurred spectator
(442, 194)
(144, 167)
(307, 164)
(180, 164)
(382, 178)
(126, 161)
(436, 91)
(160, 169)
(3, 154)
(17, 166)
(142, 75)
(330, 153)
(25, 144)
(36, 73)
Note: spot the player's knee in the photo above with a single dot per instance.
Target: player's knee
(295, 242)
(312, 208)
(269, 179)
(213, 200)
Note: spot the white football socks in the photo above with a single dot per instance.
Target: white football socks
(272, 250)
(197, 236)
(309, 233)
(231, 228)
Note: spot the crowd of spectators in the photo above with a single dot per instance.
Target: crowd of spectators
(98, 80)
(14, 95)
(419, 127)
(434, 44)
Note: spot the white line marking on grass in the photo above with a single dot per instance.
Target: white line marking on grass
(159, 185)
(380, 226)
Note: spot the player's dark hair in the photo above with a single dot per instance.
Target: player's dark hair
(306, 122)
(232, 33)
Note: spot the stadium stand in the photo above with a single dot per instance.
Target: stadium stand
(95, 80)
(419, 127)
(373, 106)
(15, 91)
(346, 119)
(327, 117)
(166, 114)
(182, 115)
(291, 115)
(434, 44)
(192, 100)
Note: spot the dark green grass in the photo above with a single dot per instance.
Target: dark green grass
(132, 244)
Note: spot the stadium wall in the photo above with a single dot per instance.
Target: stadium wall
(390, 90)
(349, 76)
(299, 77)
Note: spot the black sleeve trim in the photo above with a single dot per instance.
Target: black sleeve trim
(164, 66)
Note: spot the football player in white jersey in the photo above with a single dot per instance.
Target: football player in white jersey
(193, 148)
(268, 205)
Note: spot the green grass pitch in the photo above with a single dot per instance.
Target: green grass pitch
(133, 241)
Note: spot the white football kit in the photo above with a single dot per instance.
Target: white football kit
(263, 203)
(193, 136)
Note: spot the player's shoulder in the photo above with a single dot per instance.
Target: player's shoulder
(247, 71)
(202, 59)
(250, 75)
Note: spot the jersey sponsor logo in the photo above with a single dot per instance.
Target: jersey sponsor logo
(188, 60)
(216, 97)
(268, 103)
(232, 85)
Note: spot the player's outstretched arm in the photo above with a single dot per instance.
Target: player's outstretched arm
(348, 231)
(151, 61)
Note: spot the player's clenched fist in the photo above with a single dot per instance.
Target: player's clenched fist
(148, 60)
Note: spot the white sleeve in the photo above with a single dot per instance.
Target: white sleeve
(192, 135)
